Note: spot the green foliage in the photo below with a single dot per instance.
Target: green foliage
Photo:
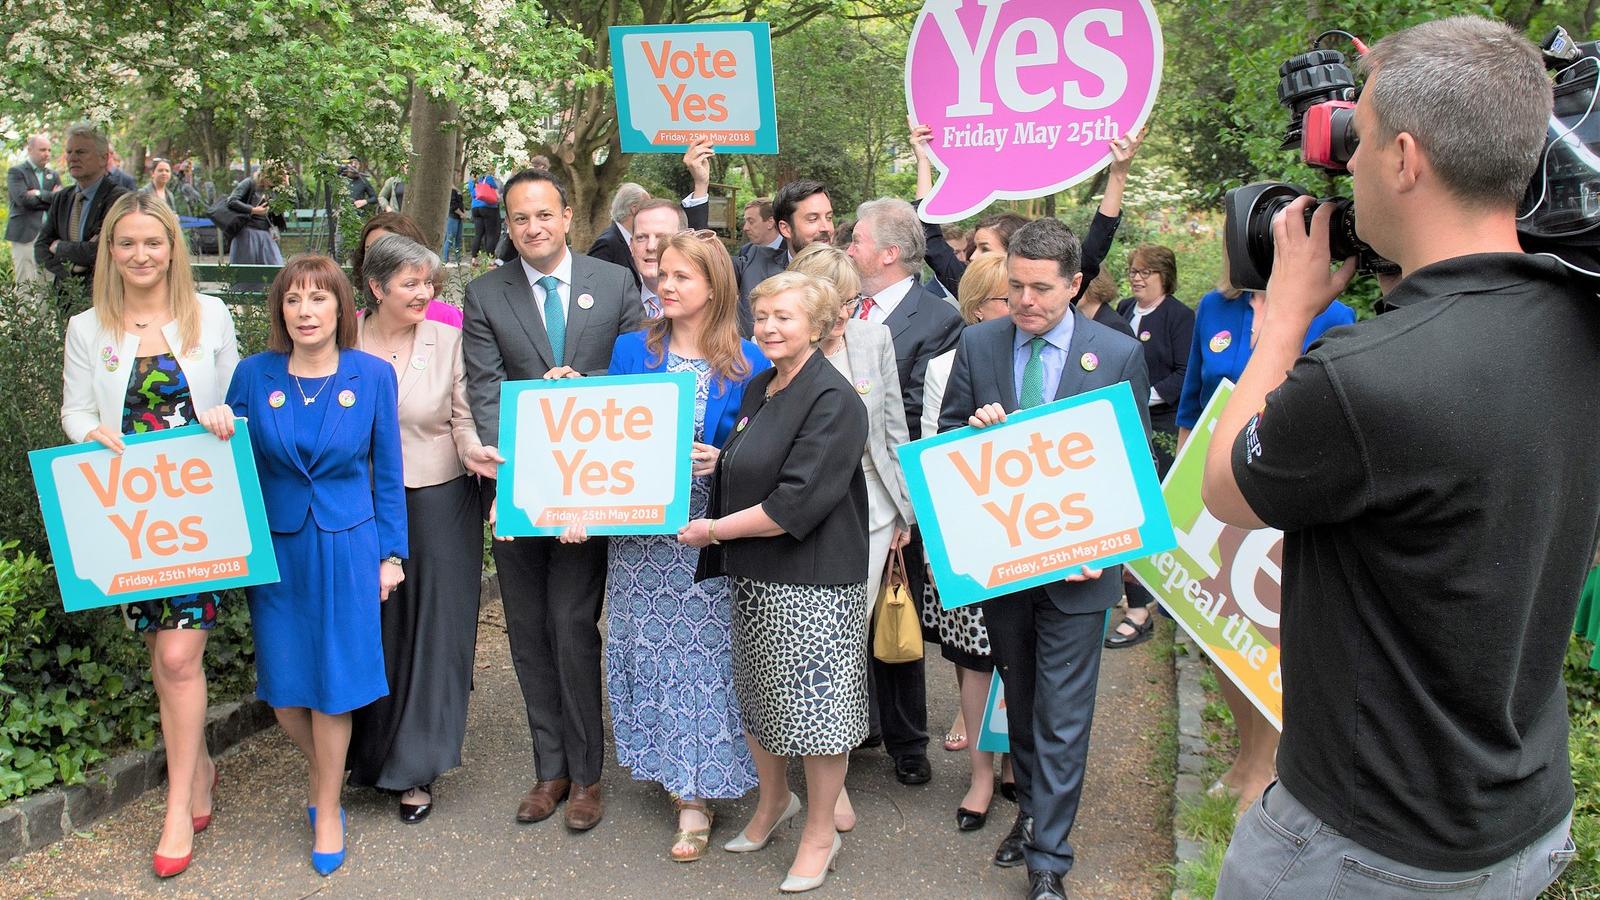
(1198, 878)
(30, 407)
(1582, 877)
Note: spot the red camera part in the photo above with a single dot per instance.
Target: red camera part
(1330, 137)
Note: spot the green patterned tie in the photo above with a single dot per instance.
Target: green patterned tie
(1033, 375)
(555, 321)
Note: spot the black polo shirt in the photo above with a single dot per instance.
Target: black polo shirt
(1437, 476)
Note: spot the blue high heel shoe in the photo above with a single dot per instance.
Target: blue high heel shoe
(311, 816)
(327, 863)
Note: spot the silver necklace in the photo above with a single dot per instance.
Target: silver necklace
(327, 380)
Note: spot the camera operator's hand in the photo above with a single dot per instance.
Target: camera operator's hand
(1302, 283)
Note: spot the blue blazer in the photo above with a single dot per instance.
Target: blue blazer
(1220, 347)
(355, 473)
(630, 356)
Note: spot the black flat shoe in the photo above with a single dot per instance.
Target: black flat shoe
(1008, 790)
(1141, 633)
(967, 820)
(411, 814)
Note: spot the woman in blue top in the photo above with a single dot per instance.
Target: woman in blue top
(324, 424)
(668, 642)
(1224, 336)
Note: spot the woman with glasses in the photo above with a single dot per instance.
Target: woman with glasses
(669, 654)
(1165, 328)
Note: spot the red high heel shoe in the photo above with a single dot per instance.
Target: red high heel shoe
(168, 866)
(201, 823)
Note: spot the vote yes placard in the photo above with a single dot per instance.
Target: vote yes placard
(177, 512)
(676, 84)
(1024, 96)
(1022, 504)
(608, 453)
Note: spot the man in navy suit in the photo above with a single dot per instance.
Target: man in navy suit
(1046, 640)
(551, 313)
(887, 248)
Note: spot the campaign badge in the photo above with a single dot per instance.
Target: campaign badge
(1220, 341)
(347, 398)
(275, 399)
(1090, 362)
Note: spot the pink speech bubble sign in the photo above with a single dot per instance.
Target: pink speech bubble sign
(1024, 96)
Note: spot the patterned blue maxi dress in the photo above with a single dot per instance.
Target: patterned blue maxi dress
(674, 715)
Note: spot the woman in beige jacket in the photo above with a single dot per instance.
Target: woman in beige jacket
(406, 740)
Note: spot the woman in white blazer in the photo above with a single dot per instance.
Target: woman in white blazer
(153, 354)
(962, 637)
(864, 353)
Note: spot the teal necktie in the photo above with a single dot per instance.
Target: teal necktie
(555, 321)
(1033, 375)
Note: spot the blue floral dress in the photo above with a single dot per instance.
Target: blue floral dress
(669, 673)
(157, 399)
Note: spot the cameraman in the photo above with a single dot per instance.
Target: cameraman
(363, 196)
(1436, 476)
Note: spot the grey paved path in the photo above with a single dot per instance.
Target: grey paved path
(906, 844)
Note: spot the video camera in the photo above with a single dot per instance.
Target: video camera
(1560, 211)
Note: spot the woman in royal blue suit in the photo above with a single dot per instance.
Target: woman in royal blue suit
(669, 652)
(325, 428)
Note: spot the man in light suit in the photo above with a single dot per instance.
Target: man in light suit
(30, 185)
(887, 248)
(549, 314)
(1046, 640)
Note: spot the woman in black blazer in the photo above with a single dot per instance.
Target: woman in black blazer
(1165, 327)
(790, 502)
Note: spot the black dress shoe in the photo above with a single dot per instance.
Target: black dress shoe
(967, 820)
(1009, 853)
(1044, 885)
(913, 769)
(411, 814)
(870, 741)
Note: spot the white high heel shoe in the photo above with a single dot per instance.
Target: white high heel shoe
(795, 884)
(743, 844)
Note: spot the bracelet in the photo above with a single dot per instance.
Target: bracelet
(711, 529)
(394, 560)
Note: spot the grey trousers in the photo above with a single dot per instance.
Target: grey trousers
(23, 267)
(1281, 850)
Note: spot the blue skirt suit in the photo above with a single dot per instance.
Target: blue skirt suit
(327, 452)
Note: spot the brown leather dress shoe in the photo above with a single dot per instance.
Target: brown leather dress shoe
(584, 807)
(542, 799)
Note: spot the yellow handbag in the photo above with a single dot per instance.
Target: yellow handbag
(897, 635)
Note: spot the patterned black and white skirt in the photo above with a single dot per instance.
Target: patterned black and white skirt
(800, 665)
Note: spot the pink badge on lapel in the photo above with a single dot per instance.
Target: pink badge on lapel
(275, 399)
(347, 398)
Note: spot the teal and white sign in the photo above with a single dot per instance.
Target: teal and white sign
(677, 84)
(610, 453)
(1028, 502)
(178, 512)
(994, 735)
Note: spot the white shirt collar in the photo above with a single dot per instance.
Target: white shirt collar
(563, 270)
(776, 242)
(627, 234)
(887, 299)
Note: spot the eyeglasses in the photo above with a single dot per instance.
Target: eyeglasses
(702, 234)
(1005, 300)
(1141, 273)
(853, 304)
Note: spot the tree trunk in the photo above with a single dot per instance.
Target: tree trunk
(434, 139)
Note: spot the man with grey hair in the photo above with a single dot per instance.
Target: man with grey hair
(67, 243)
(1436, 477)
(30, 185)
(887, 248)
(613, 244)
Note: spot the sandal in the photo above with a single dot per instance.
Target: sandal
(955, 740)
(698, 838)
(1141, 633)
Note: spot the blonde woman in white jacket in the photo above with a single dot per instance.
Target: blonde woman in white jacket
(153, 354)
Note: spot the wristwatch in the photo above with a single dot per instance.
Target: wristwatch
(396, 560)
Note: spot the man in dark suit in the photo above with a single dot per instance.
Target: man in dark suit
(67, 244)
(804, 214)
(1046, 640)
(31, 185)
(887, 248)
(760, 228)
(615, 244)
(550, 314)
